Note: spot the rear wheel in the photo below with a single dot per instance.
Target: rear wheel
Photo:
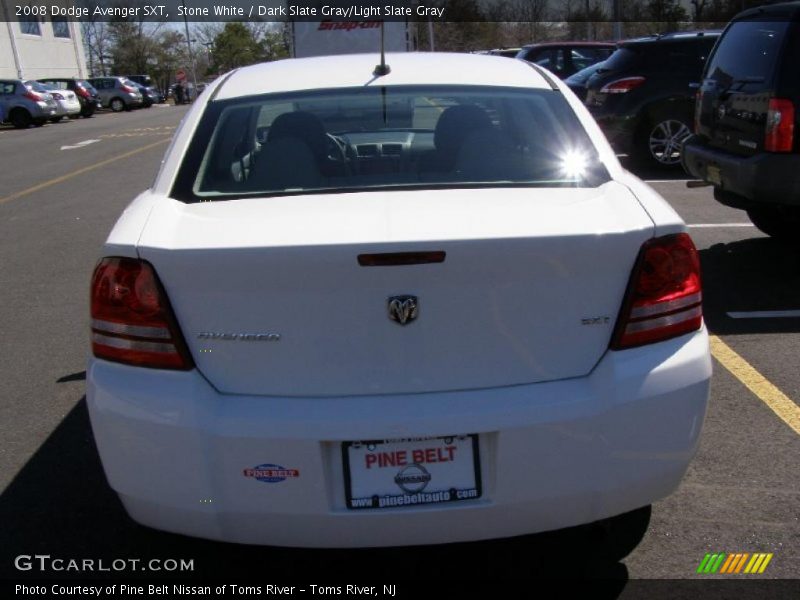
(658, 142)
(55, 119)
(117, 104)
(20, 118)
(780, 222)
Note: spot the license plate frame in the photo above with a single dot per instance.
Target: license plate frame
(450, 484)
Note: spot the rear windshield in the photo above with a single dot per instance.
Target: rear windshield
(628, 57)
(748, 53)
(387, 138)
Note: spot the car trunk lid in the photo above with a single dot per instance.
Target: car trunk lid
(272, 298)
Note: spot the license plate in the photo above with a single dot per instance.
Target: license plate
(411, 472)
(714, 175)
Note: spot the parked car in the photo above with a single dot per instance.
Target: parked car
(87, 96)
(149, 95)
(747, 141)
(565, 58)
(507, 52)
(144, 80)
(117, 93)
(577, 81)
(517, 342)
(67, 101)
(643, 96)
(23, 106)
(156, 95)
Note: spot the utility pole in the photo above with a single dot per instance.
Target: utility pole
(588, 23)
(617, 18)
(189, 44)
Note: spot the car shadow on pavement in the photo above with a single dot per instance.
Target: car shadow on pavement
(649, 173)
(59, 504)
(756, 274)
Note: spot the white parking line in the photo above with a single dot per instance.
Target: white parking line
(706, 225)
(765, 314)
(79, 144)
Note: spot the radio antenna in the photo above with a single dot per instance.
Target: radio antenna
(382, 69)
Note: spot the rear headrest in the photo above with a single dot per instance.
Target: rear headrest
(456, 123)
(302, 125)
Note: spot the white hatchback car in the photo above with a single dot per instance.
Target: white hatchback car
(365, 310)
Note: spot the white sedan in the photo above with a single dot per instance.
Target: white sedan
(365, 309)
(66, 100)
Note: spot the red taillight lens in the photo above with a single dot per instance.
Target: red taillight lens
(664, 294)
(33, 96)
(127, 88)
(622, 86)
(132, 321)
(82, 92)
(779, 135)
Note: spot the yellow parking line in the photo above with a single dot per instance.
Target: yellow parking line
(81, 171)
(770, 395)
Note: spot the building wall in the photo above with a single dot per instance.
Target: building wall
(43, 55)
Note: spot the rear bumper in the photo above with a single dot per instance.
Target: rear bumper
(552, 455)
(764, 178)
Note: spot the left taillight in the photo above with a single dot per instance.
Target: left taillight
(622, 86)
(664, 297)
(132, 321)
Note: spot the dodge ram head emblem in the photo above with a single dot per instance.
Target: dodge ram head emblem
(403, 309)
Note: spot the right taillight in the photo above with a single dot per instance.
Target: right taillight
(127, 88)
(132, 321)
(664, 294)
(30, 95)
(622, 86)
(779, 133)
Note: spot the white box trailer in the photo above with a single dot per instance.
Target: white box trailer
(320, 38)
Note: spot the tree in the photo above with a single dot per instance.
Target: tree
(666, 11)
(235, 46)
(98, 43)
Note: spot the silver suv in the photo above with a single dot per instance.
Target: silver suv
(117, 93)
(23, 106)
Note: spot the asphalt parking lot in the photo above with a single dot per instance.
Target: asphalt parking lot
(63, 186)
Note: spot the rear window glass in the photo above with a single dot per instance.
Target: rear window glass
(623, 59)
(387, 138)
(748, 53)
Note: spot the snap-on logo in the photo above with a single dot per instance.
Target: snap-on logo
(269, 473)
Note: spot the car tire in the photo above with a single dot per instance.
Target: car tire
(779, 222)
(657, 142)
(56, 119)
(117, 105)
(20, 118)
(39, 122)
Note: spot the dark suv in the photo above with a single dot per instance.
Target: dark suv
(643, 96)
(747, 142)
